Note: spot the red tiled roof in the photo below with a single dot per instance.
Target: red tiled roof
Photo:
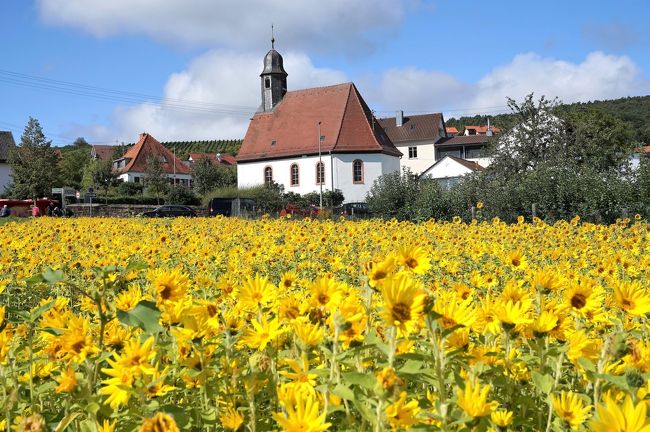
(291, 129)
(224, 158)
(451, 130)
(414, 128)
(103, 152)
(464, 140)
(146, 147)
(646, 149)
(469, 164)
(483, 129)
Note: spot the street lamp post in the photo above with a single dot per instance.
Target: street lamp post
(320, 165)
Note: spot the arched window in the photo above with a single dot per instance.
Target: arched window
(357, 171)
(295, 175)
(268, 176)
(320, 173)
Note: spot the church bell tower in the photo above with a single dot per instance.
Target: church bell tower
(274, 79)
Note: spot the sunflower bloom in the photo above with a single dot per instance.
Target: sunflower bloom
(262, 333)
(629, 417)
(473, 399)
(303, 416)
(401, 414)
(502, 418)
(160, 422)
(403, 303)
(257, 293)
(632, 298)
(67, 382)
(170, 286)
(570, 408)
(378, 271)
(231, 419)
(414, 259)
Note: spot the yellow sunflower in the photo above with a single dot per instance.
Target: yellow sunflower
(403, 303)
(632, 298)
(571, 409)
(414, 259)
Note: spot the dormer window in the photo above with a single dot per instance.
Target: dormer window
(273, 142)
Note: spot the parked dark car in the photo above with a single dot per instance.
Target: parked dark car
(231, 206)
(170, 211)
(355, 209)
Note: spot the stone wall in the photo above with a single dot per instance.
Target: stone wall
(120, 210)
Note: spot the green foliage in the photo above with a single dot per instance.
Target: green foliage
(33, 163)
(330, 199)
(99, 174)
(574, 165)
(207, 176)
(129, 199)
(130, 189)
(633, 112)
(394, 195)
(73, 163)
(155, 177)
(181, 195)
(184, 148)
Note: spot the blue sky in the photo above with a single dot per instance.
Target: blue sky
(188, 69)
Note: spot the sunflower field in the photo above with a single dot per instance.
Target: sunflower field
(305, 325)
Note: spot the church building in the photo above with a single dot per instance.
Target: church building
(305, 140)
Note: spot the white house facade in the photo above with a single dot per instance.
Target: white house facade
(449, 170)
(352, 173)
(6, 144)
(415, 137)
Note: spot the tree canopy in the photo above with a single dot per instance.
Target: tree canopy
(33, 163)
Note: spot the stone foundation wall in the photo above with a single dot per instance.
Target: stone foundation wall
(120, 210)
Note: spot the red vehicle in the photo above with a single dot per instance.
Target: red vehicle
(23, 208)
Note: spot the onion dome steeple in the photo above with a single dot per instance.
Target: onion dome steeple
(274, 78)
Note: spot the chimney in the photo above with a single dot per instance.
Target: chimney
(489, 131)
(399, 118)
(219, 157)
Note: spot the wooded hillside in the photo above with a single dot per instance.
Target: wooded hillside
(634, 111)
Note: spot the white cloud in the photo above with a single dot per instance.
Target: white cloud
(599, 76)
(219, 91)
(320, 25)
(213, 98)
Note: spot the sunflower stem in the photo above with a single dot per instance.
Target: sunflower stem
(558, 373)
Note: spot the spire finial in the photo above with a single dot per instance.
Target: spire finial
(272, 38)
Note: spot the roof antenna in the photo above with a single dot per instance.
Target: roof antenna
(272, 38)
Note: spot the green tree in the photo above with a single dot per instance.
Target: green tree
(73, 163)
(99, 174)
(208, 176)
(155, 177)
(33, 163)
(572, 163)
(394, 195)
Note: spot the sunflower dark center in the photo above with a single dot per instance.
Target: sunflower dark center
(578, 301)
(401, 312)
(166, 292)
(411, 262)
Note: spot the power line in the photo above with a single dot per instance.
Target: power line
(99, 93)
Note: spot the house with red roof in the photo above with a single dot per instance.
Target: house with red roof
(319, 138)
(132, 166)
(415, 136)
(221, 159)
(102, 152)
